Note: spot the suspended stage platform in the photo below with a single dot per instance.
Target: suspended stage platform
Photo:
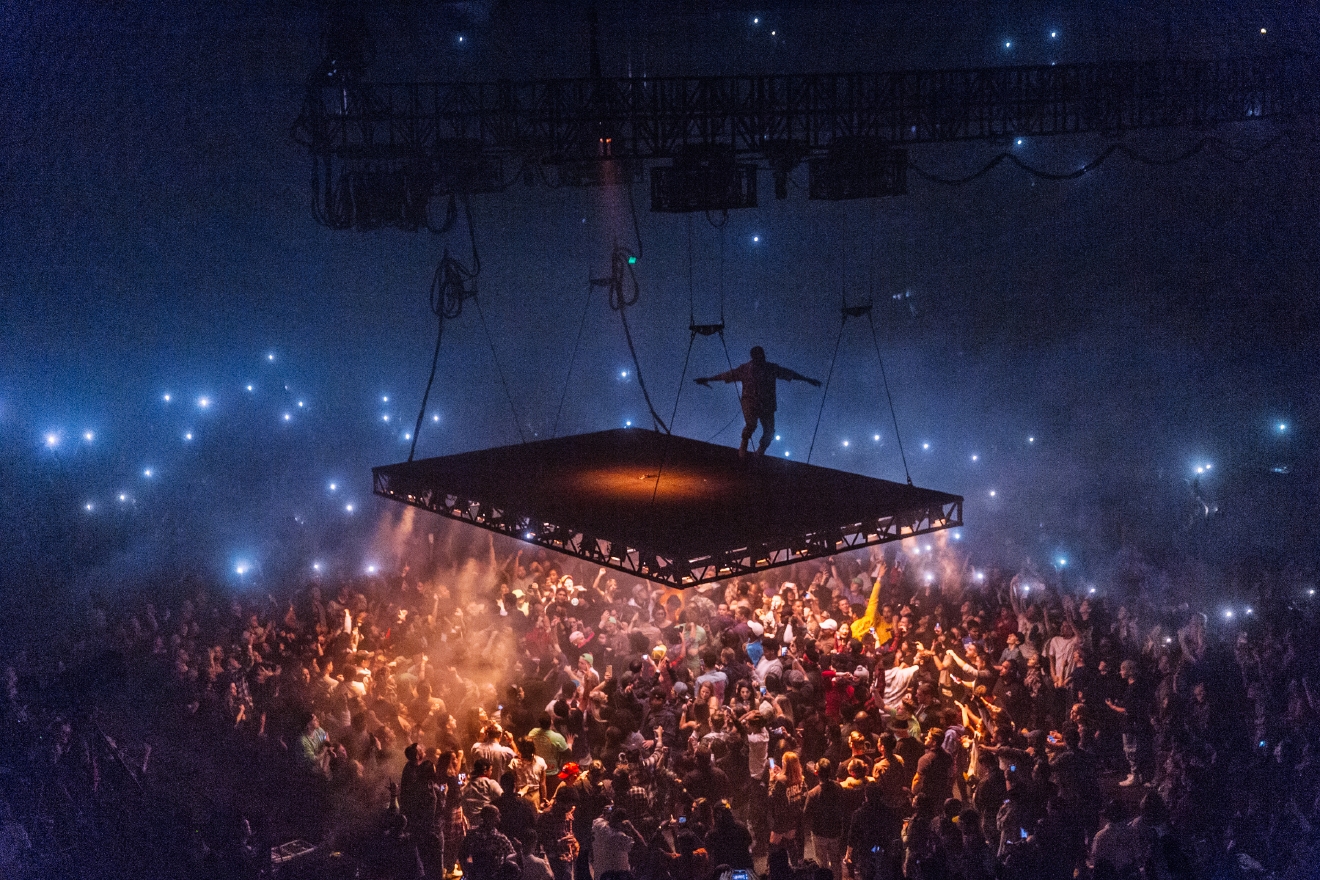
(670, 509)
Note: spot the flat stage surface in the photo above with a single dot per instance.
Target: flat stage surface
(676, 497)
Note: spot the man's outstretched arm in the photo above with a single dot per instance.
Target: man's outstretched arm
(726, 377)
(790, 376)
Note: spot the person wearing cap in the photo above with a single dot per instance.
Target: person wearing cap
(659, 721)
(759, 378)
(485, 849)
(753, 647)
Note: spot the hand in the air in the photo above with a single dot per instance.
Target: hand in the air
(815, 383)
(705, 382)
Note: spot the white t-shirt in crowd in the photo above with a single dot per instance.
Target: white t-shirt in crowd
(758, 750)
(1060, 651)
(896, 681)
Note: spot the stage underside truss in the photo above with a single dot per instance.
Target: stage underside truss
(668, 509)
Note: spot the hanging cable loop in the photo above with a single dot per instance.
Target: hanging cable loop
(624, 291)
(451, 285)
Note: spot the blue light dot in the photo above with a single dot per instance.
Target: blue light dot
(348, 507)
(287, 417)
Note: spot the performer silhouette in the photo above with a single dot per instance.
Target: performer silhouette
(758, 377)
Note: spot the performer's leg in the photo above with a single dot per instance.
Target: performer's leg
(749, 426)
(767, 432)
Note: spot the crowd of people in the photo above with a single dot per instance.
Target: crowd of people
(875, 716)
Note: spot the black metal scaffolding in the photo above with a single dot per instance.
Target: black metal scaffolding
(667, 508)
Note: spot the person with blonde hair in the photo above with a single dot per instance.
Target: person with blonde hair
(788, 795)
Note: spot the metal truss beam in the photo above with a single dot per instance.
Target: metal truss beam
(674, 571)
(438, 127)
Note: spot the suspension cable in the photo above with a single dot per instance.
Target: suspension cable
(825, 393)
(892, 413)
(586, 305)
(517, 422)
